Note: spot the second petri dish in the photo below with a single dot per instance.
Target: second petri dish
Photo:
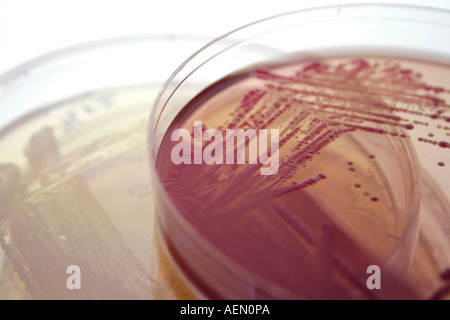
(76, 203)
(292, 173)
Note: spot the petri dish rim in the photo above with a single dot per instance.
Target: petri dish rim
(51, 57)
(31, 72)
(442, 17)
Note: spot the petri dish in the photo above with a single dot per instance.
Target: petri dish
(77, 217)
(353, 101)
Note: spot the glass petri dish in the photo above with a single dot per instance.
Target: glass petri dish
(75, 193)
(358, 98)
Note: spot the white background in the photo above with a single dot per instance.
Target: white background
(29, 28)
